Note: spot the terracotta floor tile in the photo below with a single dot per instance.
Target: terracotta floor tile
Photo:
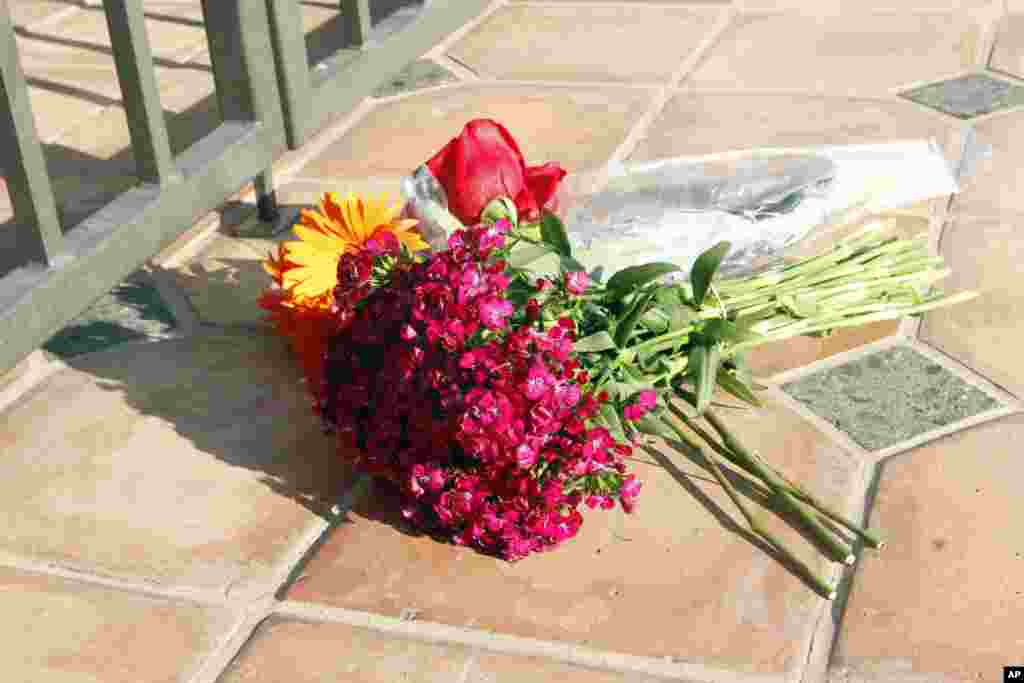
(994, 186)
(554, 43)
(64, 631)
(855, 52)
(398, 136)
(945, 596)
(303, 652)
(646, 2)
(634, 584)
(695, 123)
(173, 29)
(985, 255)
(28, 12)
(191, 463)
(225, 280)
(831, 7)
(1008, 54)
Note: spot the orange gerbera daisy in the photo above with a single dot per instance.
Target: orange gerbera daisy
(308, 269)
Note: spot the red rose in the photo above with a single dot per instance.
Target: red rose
(483, 164)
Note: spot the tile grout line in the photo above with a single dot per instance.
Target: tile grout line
(33, 370)
(458, 34)
(837, 437)
(620, 4)
(664, 94)
(835, 360)
(462, 71)
(858, 505)
(911, 326)
(196, 596)
(317, 144)
(503, 643)
(1008, 404)
(966, 373)
(222, 655)
(935, 434)
(54, 18)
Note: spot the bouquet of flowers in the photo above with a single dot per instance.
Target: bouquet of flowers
(500, 402)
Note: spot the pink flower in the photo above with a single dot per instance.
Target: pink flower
(576, 282)
(494, 311)
(538, 382)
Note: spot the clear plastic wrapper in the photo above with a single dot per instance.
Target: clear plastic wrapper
(763, 202)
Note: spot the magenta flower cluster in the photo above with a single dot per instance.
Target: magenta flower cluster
(478, 413)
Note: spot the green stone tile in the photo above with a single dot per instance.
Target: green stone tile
(132, 311)
(968, 96)
(888, 397)
(420, 74)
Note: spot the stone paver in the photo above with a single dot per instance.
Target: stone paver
(422, 73)
(224, 281)
(887, 397)
(968, 96)
(697, 123)
(854, 52)
(528, 42)
(195, 465)
(174, 31)
(985, 255)
(187, 464)
(133, 311)
(25, 13)
(666, 581)
(66, 632)
(945, 596)
(993, 187)
(303, 652)
(1008, 53)
(397, 137)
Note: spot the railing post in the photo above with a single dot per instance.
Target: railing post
(243, 71)
(358, 23)
(150, 143)
(28, 181)
(246, 83)
(292, 62)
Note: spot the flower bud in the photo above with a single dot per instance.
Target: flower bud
(500, 208)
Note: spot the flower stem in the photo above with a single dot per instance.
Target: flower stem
(781, 492)
(801, 494)
(824, 588)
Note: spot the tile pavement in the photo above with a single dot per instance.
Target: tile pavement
(172, 507)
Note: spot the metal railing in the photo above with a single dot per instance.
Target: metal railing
(269, 99)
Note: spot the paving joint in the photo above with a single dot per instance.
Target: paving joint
(661, 98)
(570, 653)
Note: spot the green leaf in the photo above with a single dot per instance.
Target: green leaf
(703, 370)
(628, 323)
(599, 341)
(670, 303)
(519, 292)
(528, 253)
(655, 320)
(731, 383)
(704, 270)
(571, 265)
(610, 415)
(634, 277)
(552, 231)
